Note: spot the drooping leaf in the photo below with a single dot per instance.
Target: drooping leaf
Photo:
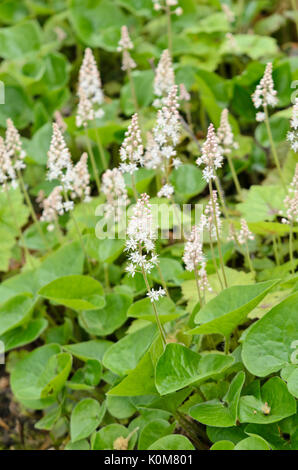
(179, 366)
(230, 308)
(267, 345)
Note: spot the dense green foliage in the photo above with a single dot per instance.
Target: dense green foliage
(83, 351)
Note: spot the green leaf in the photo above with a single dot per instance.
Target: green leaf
(234, 278)
(187, 181)
(153, 431)
(105, 438)
(253, 443)
(24, 334)
(143, 309)
(76, 292)
(143, 82)
(18, 40)
(221, 413)
(267, 346)
(78, 445)
(42, 371)
(85, 418)
(262, 203)
(173, 442)
(140, 381)
(88, 350)
(15, 312)
(171, 270)
(290, 375)
(274, 403)
(87, 377)
(223, 445)
(17, 106)
(179, 367)
(120, 407)
(66, 260)
(108, 319)
(230, 308)
(47, 422)
(97, 22)
(124, 355)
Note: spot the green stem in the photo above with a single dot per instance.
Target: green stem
(214, 261)
(217, 236)
(93, 163)
(161, 330)
(291, 249)
(273, 149)
(163, 282)
(101, 150)
(221, 197)
(169, 29)
(133, 90)
(249, 260)
(31, 208)
(198, 285)
(234, 176)
(275, 249)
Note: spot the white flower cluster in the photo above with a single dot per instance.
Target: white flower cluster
(75, 179)
(166, 191)
(81, 180)
(14, 146)
(164, 79)
(161, 5)
(154, 295)
(131, 151)
(265, 94)
(53, 206)
(291, 201)
(7, 172)
(59, 162)
(89, 91)
(225, 135)
(244, 234)
(113, 187)
(184, 95)
(141, 235)
(125, 45)
(166, 132)
(292, 135)
(194, 258)
(211, 155)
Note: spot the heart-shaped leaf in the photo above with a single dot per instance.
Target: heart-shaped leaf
(85, 418)
(230, 308)
(267, 346)
(108, 319)
(272, 404)
(76, 292)
(179, 366)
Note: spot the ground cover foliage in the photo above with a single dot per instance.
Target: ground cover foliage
(152, 338)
